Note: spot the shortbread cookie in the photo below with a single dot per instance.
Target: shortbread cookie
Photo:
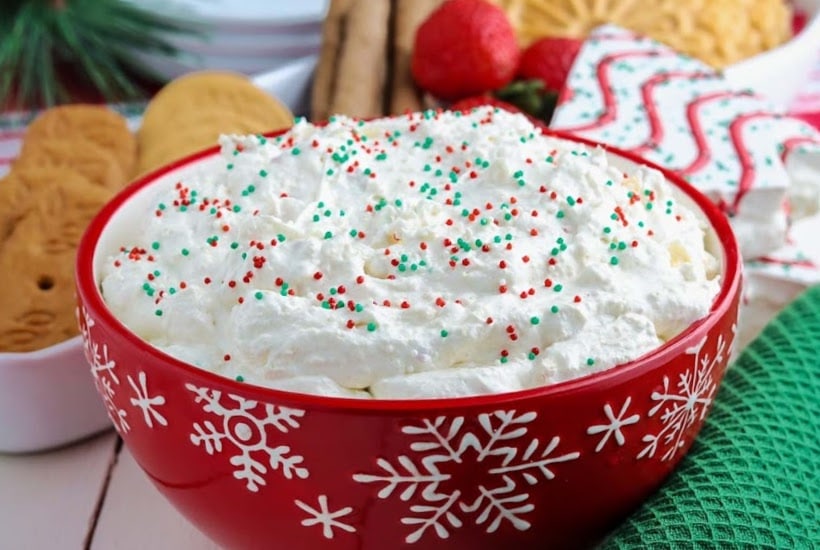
(195, 95)
(191, 112)
(719, 32)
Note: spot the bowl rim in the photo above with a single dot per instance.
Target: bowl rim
(91, 298)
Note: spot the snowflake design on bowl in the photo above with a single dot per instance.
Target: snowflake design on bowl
(325, 518)
(244, 425)
(441, 446)
(103, 369)
(148, 404)
(686, 401)
(613, 428)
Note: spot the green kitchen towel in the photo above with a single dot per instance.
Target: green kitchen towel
(752, 478)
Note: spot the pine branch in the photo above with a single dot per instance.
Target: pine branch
(44, 43)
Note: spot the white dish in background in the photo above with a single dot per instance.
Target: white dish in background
(780, 73)
(47, 397)
(253, 14)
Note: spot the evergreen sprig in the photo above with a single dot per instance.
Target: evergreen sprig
(98, 42)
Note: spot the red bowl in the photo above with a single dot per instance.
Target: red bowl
(254, 467)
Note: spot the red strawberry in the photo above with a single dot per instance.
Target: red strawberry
(549, 60)
(465, 47)
(472, 102)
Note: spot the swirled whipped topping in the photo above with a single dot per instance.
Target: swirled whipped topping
(437, 254)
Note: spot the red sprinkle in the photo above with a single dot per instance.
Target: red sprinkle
(317, 275)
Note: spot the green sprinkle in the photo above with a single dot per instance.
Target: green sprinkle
(353, 233)
(554, 309)
(359, 308)
(402, 268)
(590, 361)
(558, 288)
(381, 156)
(161, 206)
(398, 202)
(295, 151)
(240, 378)
(444, 333)
(534, 320)
(518, 174)
(236, 208)
(172, 291)
(571, 201)
(263, 173)
(328, 235)
(258, 295)
(185, 252)
(607, 230)
(613, 260)
(609, 183)
(621, 245)
(560, 214)
(234, 245)
(230, 166)
(371, 326)
(280, 237)
(316, 217)
(531, 356)
(329, 172)
(155, 245)
(158, 313)
(649, 206)
(503, 359)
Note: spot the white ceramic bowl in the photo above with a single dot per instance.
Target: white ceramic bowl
(780, 73)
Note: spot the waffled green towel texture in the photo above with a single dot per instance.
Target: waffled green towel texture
(752, 478)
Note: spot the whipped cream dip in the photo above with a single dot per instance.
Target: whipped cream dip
(436, 254)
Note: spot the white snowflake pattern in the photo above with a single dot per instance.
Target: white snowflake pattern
(103, 371)
(613, 428)
(248, 434)
(147, 403)
(324, 517)
(441, 443)
(685, 402)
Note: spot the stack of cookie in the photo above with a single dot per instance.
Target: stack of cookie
(74, 158)
(364, 63)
